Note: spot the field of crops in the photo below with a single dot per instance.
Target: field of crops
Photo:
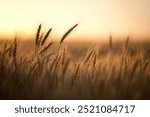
(45, 69)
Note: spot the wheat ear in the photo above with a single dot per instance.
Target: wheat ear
(67, 33)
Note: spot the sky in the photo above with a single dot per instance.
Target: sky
(96, 18)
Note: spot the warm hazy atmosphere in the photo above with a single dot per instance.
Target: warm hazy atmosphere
(97, 18)
(75, 49)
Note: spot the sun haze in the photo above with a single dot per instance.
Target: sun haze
(96, 18)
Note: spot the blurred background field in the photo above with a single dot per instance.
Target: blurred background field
(111, 69)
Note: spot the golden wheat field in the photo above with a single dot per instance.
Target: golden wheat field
(45, 69)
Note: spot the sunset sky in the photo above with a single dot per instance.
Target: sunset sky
(96, 18)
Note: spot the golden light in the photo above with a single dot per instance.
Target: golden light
(96, 18)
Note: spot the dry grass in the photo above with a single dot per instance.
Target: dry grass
(48, 71)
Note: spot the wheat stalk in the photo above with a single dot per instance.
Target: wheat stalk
(38, 35)
(110, 42)
(67, 33)
(46, 48)
(88, 57)
(46, 36)
(127, 42)
(15, 48)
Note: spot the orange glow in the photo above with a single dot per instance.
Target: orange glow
(96, 18)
